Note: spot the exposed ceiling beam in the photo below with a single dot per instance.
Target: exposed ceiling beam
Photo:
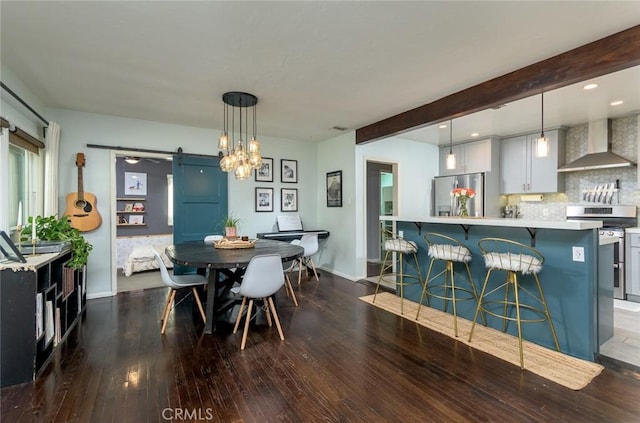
(610, 54)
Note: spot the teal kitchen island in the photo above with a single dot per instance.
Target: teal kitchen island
(579, 293)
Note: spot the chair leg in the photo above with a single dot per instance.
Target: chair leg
(165, 319)
(197, 298)
(246, 325)
(475, 293)
(516, 296)
(313, 266)
(300, 264)
(424, 289)
(166, 305)
(244, 301)
(289, 289)
(479, 307)
(265, 306)
(276, 318)
(384, 267)
(453, 298)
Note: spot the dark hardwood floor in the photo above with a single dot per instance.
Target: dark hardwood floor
(342, 361)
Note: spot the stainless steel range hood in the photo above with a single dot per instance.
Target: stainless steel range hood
(599, 155)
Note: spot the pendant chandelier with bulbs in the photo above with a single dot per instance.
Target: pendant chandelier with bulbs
(244, 157)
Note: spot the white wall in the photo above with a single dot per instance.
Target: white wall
(15, 112)
(337, 251)
(79, 129)
(242, 193)
(344, 252)
(417, 165)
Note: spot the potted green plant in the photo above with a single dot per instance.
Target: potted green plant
(53, 229)
(231, 226)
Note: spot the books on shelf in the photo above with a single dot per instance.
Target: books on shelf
(58, 329)
(48, 322)
(84, 279)
(68, 285)
(39, 319)
(79, 299)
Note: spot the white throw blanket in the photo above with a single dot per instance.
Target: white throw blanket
(401, 246)
(523, 263)
(449, 252)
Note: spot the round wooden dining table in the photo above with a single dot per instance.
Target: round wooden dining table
(226, 266)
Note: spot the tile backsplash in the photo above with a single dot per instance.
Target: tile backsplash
(624, 143)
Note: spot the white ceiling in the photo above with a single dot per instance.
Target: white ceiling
(313, 65)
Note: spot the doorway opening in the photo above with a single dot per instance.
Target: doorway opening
(381, 200)
(141, 200)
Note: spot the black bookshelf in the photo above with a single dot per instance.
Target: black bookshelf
(26, 345)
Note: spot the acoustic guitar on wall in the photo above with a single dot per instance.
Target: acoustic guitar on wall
(81, 206)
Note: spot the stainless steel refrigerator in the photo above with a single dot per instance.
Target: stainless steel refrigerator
(446, 205)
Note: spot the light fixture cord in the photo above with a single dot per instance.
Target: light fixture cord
(255, 125)
(542, 114)
(451, 137)
(225, 113)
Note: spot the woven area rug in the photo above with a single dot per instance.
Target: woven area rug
(565, 370)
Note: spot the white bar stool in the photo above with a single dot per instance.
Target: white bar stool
(442, 248)
(400, 246)
(517, 260)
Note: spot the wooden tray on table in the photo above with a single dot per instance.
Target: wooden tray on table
(234, 244)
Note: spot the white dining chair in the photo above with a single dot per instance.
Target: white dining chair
(176, 282)
(310, 244)
(263, 277)
(210, 239)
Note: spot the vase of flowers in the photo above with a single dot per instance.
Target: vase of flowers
(463, 195)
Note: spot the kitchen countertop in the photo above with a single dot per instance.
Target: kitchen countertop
(633, 230)
(571, 225)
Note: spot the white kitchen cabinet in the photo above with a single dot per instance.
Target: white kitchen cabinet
(521, 171)
(471, 157)
(632, 258)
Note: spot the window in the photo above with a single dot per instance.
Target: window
(24, 176)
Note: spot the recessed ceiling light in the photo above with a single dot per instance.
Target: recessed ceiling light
(444, 125)
(616, 103)
(475, 134)
(590, 86)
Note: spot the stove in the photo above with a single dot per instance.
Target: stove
(615, 219)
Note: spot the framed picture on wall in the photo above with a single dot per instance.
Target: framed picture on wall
(265, 172)
(135, 183)
(289, 199)
(334, 189)
(289, 171)
(264, 199)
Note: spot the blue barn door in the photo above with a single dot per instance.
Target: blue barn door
(199, 199)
